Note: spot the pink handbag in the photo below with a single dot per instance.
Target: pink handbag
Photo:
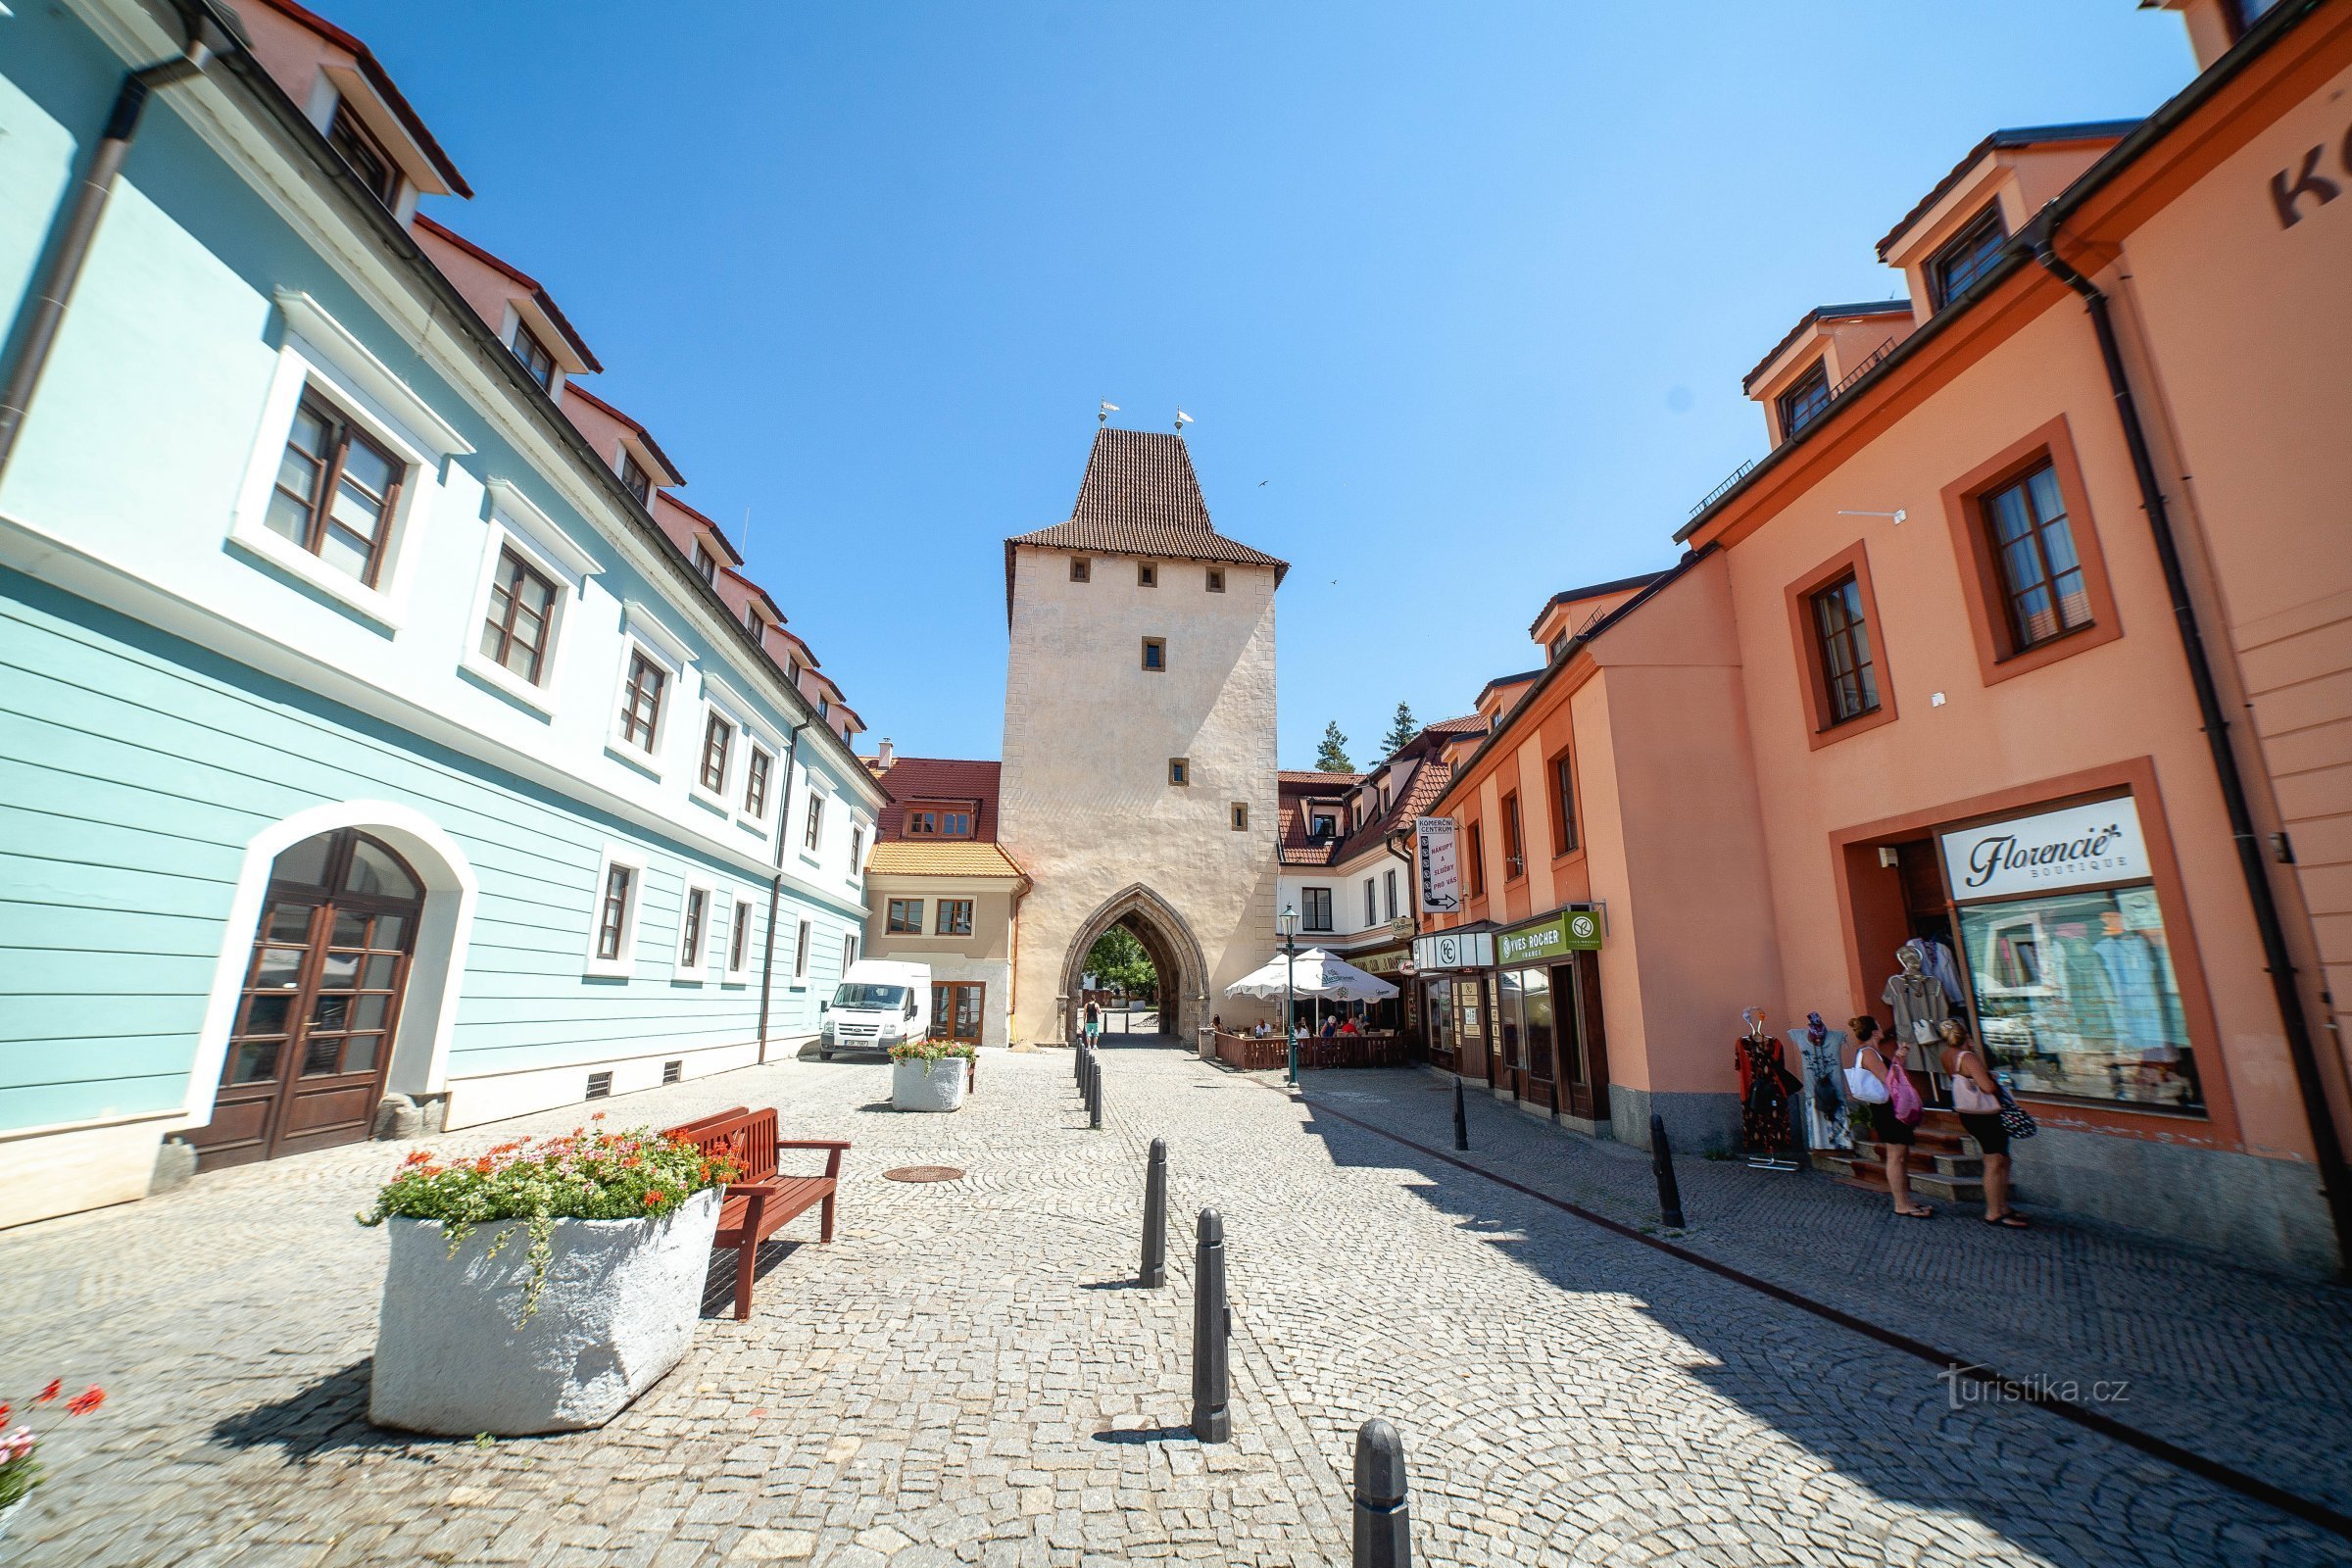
(1903, 1098)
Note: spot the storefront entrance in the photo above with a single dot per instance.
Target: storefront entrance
(956, 1008)
(321, 1001)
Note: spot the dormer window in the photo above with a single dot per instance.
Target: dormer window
(792, 671)
(535, 356)
(1323, 825)
(750, 619)
(364, 155)
(938, 823)
(1559, 647)
(635, 480)
(706, 563)
(1966, 257)
(1804, 402)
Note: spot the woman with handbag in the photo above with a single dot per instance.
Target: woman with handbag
(1877, 1080)
(1976, 1101)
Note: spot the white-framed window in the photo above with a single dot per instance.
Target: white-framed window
(648, 689)
(799, 951)
(812, 833)
(345, 470)
(857, 850)
(759, 785)
(1390, 896)
(738, 950)
(1371, 905)
(849, 952)
(714, 760)
(531, 575)
(633, 477)
(698, 907)
(616, 909)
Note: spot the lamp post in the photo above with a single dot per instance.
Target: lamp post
(1288, 922)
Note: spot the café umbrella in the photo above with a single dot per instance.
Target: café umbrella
(1314, 974)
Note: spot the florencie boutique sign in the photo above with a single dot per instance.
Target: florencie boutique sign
(2077, 846)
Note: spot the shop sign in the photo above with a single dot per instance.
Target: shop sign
(1380, 962)
(1569, 931)
(2074, 847)
(1441, 869)
(1455, 949)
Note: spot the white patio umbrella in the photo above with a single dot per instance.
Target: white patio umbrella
(1314, 974)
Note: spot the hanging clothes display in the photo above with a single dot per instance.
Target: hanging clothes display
(1937, 961)
(1920, 1007)
(1822, 1052)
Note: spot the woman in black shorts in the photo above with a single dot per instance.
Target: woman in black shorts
(1976, 1101)
(1893, 1133)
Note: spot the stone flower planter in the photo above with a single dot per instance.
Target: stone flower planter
(919, 1085)
(617, 1312)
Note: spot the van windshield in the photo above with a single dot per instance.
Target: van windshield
(869, 997)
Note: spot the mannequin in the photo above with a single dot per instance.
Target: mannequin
(1765, 1084)
(1822, 1052)
(1920, 1007)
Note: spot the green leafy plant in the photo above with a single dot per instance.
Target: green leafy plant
(931, 1051)
(636, 1174)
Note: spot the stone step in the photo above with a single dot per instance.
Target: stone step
(1926, 1181)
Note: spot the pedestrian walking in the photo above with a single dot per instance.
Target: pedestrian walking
(1093, 1022)
(1877, 1079)
(1976, 1101)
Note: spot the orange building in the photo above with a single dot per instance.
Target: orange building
(2031, 638)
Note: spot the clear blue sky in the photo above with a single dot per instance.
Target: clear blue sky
(1469, 287)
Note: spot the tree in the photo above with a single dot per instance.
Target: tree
(1401, 731)
(1332, 755)
(1118, 963)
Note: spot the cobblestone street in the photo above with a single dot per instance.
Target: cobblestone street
(967, 1375)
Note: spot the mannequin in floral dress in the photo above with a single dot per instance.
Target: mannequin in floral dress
(1765, 1084)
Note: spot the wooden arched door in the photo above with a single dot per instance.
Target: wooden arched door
(313, 1037)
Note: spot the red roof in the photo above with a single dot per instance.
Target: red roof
(381, 80)
(947, 780)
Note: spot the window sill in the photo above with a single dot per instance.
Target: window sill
(624, 753)
(2050, 649)
(685, 977)
(1568, 857)
(1847, 729)
(507, 683)
(709, 800)
(609, 969)
(298, 563)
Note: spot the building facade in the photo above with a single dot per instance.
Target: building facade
(943, 892)
(1137, 784)
(380, 736)
(2024, 642)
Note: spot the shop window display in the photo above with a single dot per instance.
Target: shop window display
(2076, 996)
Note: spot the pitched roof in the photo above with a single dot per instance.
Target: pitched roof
(536, 289)
(1429, 781)
(1819, 313)
(572, 389)
(944, 779)
(1594, 590)
(381, 79)
(1338, 781)
(2015, 136)
(940, 858)
(1140, 497)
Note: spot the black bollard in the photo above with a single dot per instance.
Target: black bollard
(1661, 1160)
(1094, 1101)
(1461, 1119)
(1155, 1272)
(1212, 1419)
(1383, 1521)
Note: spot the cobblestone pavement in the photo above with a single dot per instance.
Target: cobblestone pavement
(2252, 1369)
(965, 1377)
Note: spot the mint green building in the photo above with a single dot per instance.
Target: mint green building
(381, 742)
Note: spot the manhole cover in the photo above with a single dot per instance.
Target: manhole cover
(923, 1174)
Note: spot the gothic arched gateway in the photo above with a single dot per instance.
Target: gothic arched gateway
(1173, 950)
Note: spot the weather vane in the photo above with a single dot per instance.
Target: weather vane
(1105, 410)
(1182, 420)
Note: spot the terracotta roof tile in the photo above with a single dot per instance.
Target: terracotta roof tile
(944, 779)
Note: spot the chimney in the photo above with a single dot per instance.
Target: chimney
(885, 754)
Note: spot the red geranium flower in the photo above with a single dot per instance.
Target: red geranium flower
(49, 1392)
(3, 1416)
(89, 1399)
(653, 1196)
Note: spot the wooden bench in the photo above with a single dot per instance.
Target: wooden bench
(761, 1201)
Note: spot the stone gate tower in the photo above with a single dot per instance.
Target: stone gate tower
(1137, 784)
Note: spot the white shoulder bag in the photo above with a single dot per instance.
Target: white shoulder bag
(1863, 1084)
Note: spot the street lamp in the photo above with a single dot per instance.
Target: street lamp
(1288, 923)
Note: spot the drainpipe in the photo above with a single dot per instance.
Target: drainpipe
(208, 33)
(2326, 1150)
(775, 885)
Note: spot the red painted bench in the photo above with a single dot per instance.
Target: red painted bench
(761, 1201)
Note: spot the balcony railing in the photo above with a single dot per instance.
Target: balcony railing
(1724, 488)
(1878, 356)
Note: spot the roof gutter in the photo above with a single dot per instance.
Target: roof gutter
(2335, 1185)
(210, 30)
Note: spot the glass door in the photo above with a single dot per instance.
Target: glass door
(957, 1011)
(312, 1042)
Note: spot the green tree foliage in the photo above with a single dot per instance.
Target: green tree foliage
(1118, 963)
(1332, 755)
(1401, 731)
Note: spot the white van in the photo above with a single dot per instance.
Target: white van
(879, 1004)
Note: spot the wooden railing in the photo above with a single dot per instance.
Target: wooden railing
(1253, 1053)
